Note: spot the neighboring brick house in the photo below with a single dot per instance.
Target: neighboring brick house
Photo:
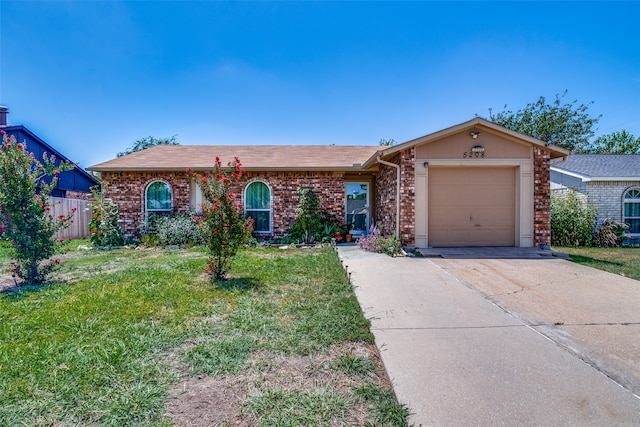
(474, 184)
(610, 182)
(72, 184)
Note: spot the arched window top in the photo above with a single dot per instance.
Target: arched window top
(631, 210)
(257, 205)
(632, 194)
(158, 196)
(257, 196)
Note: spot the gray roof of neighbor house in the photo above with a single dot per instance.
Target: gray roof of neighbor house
(600, 166)
(253, 157)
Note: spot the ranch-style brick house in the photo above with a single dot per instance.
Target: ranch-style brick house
(473, 184)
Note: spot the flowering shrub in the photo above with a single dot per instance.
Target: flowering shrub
(375, 242)
(178, 230)
(25, 185)
(224, 227)
(103, 226)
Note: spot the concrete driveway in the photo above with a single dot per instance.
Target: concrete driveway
(504, 341)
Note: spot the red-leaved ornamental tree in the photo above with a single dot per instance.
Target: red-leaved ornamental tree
(25, 185)
(224, 227)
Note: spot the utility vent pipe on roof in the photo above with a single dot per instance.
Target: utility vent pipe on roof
(3, 115)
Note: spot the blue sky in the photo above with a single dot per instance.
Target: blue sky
(91, 77)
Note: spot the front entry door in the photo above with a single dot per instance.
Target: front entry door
(357, 207)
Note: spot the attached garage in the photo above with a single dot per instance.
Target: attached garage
(472, 206)
(474, 184)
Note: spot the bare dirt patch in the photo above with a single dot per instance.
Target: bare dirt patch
(219, 401)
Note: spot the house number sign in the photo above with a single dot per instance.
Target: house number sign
(476, 152)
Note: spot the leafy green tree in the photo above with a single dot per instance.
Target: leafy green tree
(25, 186)
(387, 142)
(224, 227)
(148, 142)
(621, 142)
(568, 125)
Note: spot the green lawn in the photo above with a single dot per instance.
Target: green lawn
(623, 261)
(117, 336)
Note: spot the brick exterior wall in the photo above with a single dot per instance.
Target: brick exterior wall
(385, 210)
(541, 197)
(607, 196)
(385, 214)
(408, 196)
(328, 186)
(127, 190)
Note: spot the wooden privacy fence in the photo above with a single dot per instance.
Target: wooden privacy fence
(79, 228)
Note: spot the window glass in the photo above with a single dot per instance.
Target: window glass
(258, 206)
(158, 196)
(258, 196)
(632, 210)
(357, 207)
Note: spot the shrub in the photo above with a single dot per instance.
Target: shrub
(308, 225)
(178, 230)
(103, 226)
(610, 234)
(313, 225)
(572, 221)
(25, 186)
(224, 227)
(375, 242)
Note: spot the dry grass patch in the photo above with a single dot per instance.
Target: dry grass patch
(240, 400)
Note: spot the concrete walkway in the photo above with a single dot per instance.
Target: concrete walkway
(457, 358)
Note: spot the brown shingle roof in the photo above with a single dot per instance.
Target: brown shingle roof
(253, 157)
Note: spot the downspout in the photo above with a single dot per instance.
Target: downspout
(384, 162)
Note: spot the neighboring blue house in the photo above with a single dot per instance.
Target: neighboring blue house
(73, 184)
(610, 182)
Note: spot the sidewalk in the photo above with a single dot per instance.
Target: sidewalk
(455, 358)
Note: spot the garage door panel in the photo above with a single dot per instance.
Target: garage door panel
(448, 215)
(471, 206)
(499, 216)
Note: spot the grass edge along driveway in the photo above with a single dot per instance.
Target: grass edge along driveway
(131, 337)
(623, 261)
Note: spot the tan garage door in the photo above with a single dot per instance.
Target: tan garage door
(471, 206)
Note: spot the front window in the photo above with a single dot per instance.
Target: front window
(257, 202)
(157, 201)
(631, 209)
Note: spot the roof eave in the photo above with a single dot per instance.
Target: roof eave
(555, 151)
(587, 178)
(615, 178)
(248, 169)
(584, 178)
